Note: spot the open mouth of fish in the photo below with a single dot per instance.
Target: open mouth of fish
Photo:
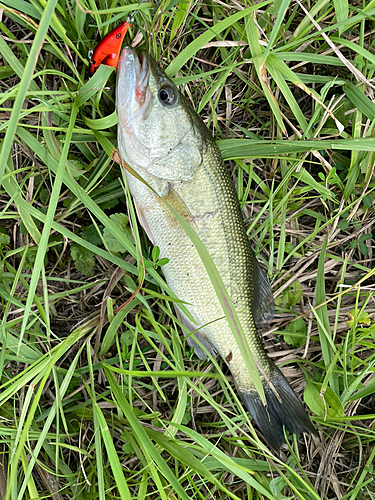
(133, 81)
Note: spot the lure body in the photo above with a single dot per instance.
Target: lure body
(108, 50)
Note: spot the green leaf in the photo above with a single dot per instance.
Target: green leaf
(83, 259)
(243, 468)
(113, 458)
(181, 13)
(75, 169)
(291, 295)
(94, 84)
(6, 72)
(208, 35)
(122, 222)
(80, 18)
(335, 408)
(363, 248)
(108, 204)
(102, 123)
(367, 201)
(362, 318)
(162, 262)
(295, 333)
(364, 391)
(344, 224)
(341, 114)
(365, 237)
(323, 404)
(260, 67)
(151, 453)
(155, 253)
(342, 12)
(282, 7)
(90, 234)
(232, 149)
(26, 82)
(127, 338)
(4, 238)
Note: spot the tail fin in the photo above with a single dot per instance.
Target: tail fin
(270, 419)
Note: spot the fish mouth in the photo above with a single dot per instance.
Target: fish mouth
(133, 103)
(133, 83)
(143, 77)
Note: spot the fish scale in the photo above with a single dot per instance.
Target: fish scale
(169, 146)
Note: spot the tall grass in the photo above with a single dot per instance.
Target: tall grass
(100, 396)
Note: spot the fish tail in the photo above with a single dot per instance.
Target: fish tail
(283, 409)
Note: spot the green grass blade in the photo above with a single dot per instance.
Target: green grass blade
(144, 441)
(260, 67)
(282, 8)
(363, 103)
(194, 46)
(49, 218)
(25, 83)
(321, 312)
(342, 11)
(119, 477)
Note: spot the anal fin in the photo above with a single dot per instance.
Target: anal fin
(198, 334)
(263, 305)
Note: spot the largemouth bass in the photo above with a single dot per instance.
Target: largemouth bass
(164, 140)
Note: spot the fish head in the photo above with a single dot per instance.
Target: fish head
(159, 133)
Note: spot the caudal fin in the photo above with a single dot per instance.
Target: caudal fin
(287, 412)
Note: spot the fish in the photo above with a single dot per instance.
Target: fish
(168, 145)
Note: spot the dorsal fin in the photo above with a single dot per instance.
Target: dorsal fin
(263, 304)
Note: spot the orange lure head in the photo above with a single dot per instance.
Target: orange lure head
(108, 50)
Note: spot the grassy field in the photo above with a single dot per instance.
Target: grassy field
(100, 395)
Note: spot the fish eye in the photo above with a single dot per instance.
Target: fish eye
(167, 95)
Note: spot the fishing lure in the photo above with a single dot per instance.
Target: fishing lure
(108, 50)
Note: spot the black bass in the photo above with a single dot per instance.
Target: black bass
(163, 139)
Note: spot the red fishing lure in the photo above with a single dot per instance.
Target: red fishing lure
(108, 50)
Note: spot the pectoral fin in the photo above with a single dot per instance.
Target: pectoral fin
(175, 200)
(143, 221)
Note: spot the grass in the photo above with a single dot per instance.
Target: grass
(100, 396)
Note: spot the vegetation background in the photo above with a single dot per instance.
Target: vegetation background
(100, 396)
